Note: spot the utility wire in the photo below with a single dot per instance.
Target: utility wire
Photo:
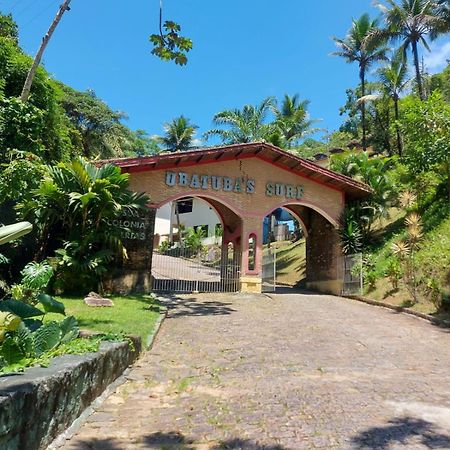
(39, 14)
(25, 8)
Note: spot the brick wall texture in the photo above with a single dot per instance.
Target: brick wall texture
(243, 192)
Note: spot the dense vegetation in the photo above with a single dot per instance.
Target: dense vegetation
(394, 136)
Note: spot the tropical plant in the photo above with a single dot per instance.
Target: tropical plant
(179, 134)
(193, 239)
(405, 250)
(77, 204)
(35, 279)
(426, 132)
(375, 173)
(357, 47)
(350, 232)
(244, 125)
(411, 22)
(292, 122)
(394, 79)
(12, 232)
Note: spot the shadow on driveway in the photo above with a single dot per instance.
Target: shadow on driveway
(192, 306)
(399, 431)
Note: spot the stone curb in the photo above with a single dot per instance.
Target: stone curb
(401, 309)
(79, 422)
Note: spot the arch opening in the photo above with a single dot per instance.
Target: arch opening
(300, 249)
(196, 246)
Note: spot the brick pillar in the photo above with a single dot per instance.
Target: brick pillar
(251, 277)
(323, 256)
(134, 273)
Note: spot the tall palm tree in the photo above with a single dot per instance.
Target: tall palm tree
(410, 22)
(357, 47)
(243, 125)
(394, 79)
(179, 134)
(292, 121)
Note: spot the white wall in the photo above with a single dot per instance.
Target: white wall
(202, 214)
(162, 222)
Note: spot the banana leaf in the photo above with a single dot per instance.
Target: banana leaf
(11, 232)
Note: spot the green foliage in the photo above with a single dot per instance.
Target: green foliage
(169, 45)
(193, 239)
(248, 124)
(375, 173)
(394, 272)
(37, 276)
(350, 232)
(8, 28)
(426, 130)
(76, 204)
(411, 22)
(97, 128)
(292, 122)
(179, 134)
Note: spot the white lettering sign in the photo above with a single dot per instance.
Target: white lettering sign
(214, 182)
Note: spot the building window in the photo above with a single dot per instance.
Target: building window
(252, 252)
(184, 206)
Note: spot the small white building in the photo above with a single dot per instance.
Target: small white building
(192, 213)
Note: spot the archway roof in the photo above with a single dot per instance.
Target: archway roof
(267, 152)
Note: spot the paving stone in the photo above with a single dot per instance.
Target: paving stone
(296, 372)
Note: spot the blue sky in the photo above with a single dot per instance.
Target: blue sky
(243, 52)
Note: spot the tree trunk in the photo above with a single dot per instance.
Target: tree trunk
(397, 128)
(362, 76)
(37, 59)
(417, 68)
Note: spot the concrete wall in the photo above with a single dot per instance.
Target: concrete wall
(38, 405)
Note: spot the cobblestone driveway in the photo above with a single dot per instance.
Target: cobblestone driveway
(291, 372)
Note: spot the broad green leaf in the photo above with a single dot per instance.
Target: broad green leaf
(11, 232)
(10, 351)
(21, 309)
(69, 329)
(47, 337)
(50, 304)
(25, 340)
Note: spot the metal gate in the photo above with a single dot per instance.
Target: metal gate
(353, 274)
(184, 270)
(269, 269)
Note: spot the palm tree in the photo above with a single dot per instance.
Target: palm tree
(292, 121)
(243, 125)
(179, 134)
(357, 47)
(410, 22)
(394, 79)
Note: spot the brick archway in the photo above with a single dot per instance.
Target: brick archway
(244, 183)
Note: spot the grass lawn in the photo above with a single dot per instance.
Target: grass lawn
(133, 314)
(291, 261)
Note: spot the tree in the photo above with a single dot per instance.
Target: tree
(426, 130)
(179, 134)
(244, 125)
(8, 28)
(394, 78)
(375, 173)
(74, 209)
(411, 22)
(292, 122)
(357, 47)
